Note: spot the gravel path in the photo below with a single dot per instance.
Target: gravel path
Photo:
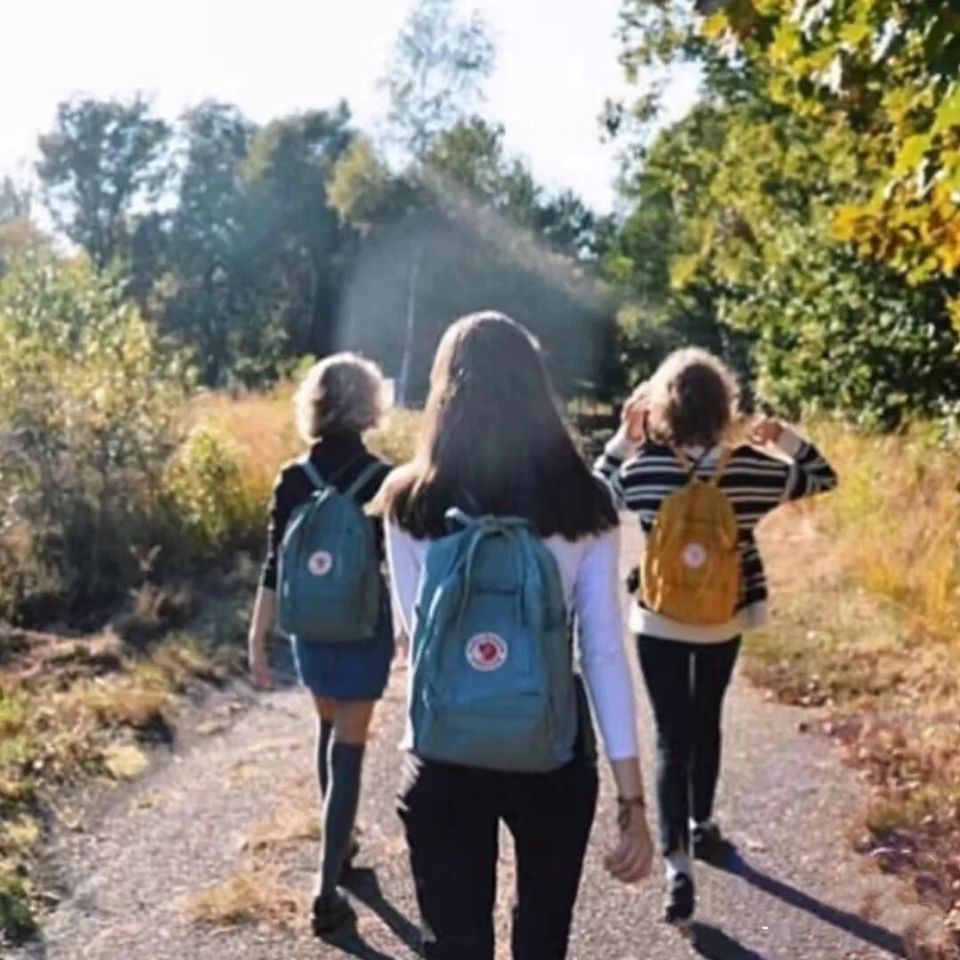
(127, 882)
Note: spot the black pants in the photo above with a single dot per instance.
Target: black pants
(452, 816)
(687, 683)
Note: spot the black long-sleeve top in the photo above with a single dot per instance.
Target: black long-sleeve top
(340, 459)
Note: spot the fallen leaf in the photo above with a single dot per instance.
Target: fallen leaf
(125, 761)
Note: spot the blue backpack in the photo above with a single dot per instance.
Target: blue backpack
(493, 683)
(329, 573)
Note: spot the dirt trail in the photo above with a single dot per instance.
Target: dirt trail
(127, 882)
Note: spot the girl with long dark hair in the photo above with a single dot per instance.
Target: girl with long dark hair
(494, 445)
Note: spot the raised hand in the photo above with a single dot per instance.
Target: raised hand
(764, 431)
(635, 413)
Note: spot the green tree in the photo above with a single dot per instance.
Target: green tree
(90, 403)
(886, 72)
(295, 235)
(436, 78)
(487, 236)
(471, 156)
(19, 235)
(209, 267)
(101, 164)
(750, 192)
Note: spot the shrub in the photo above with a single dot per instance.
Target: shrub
(215, 505)
(91, 406)
(896, 523)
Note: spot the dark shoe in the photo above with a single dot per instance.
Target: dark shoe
(680, 902)
(708, 842)
(332, 915)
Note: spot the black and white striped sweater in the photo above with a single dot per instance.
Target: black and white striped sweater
(756, 482)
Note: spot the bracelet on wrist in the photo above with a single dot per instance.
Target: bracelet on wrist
(627, 804)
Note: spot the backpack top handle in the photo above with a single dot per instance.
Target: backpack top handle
(485, 527)
(691, 466)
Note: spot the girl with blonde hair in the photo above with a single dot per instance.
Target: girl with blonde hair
(339, 399)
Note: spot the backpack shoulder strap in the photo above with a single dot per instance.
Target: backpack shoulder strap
(689, 465)
(723, 461)
(313, 474)
(365, 477)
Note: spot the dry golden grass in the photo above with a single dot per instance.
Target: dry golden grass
(261, 425)
(258, 893)
(294, 820)
(896, 518)
(866, 597)
(68, 718)
(395, 440)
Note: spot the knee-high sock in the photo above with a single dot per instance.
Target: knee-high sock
(324, 734)
(339, 811)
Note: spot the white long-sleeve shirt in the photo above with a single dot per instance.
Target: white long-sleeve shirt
(589, 569)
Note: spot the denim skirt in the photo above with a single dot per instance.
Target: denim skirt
(348, 670)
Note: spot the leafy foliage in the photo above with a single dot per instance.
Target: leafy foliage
(469, 229)
(198, 277)
(210, 494)
(760, 194)
(19, 235)
(884, 72)
(436, 76)
(89, 407)
(102, 159)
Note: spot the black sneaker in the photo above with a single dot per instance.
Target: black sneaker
(708, 842)
(332, 915)
(680, 902)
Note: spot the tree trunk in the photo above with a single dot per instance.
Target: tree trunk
(403, 393)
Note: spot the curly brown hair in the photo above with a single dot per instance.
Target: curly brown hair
(343, 393)
(693, 398)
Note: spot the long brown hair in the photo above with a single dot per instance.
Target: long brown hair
(494, 442)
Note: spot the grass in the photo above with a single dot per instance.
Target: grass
(258, 893)
(261, 426)
(254, 895)
(71, 709)
(866, 587)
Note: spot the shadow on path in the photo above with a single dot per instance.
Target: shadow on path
(355, 946)
(733, 863)
(365, 886)
(710, 941)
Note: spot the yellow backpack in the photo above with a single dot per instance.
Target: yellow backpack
(691, 563)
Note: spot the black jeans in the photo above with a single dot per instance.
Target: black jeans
(452, 816)
(687, 683)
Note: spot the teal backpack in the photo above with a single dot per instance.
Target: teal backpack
(329, 576)
(493, 683)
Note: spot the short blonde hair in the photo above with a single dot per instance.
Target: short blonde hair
(693, 397)
(343, 393)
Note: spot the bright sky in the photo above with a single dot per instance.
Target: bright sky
(556, 65)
